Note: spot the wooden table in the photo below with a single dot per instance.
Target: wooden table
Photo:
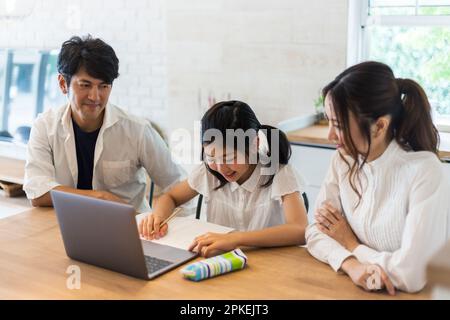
(12, 170)
(438, 271)
(33, 265)
(317, 135)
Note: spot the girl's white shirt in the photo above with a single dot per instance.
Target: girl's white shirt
(401, 220)
(247, 206)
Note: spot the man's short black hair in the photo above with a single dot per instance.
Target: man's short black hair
(97, 57)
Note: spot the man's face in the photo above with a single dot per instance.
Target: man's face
(88, 96)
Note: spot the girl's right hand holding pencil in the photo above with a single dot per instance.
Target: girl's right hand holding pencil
(150, 227)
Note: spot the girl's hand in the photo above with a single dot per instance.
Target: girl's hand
(211, 244)
(370, 277)
(149, 227)
(334, 224)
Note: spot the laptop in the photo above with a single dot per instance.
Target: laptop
(105, 234)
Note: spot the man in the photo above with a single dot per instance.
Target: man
(91, 147)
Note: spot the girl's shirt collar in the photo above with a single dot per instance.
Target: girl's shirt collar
(251, 183)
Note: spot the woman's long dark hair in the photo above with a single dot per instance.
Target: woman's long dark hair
(369, 90)
(237, 115)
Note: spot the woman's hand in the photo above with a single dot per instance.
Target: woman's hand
(334, 224)
(211, 244)
(149, 227)
(368, 276)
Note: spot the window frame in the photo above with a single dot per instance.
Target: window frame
(359, 41)
(7, 59)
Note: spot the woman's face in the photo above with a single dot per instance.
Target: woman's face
(335, 131)
(229, 163)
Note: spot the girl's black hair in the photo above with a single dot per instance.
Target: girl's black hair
(237, 115)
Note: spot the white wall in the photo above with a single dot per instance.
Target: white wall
(135, 29)
(274, 54)
(174, 54)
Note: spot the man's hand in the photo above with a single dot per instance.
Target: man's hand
(105, 195)
(46, 201)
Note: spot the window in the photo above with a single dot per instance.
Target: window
(413, 38)
(28, 86)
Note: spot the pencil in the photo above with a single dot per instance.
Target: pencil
(174, 213)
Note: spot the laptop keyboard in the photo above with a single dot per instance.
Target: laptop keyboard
(155, 264)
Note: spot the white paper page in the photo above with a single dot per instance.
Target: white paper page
(183, 230)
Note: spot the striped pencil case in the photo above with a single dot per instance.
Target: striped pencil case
(211, 267)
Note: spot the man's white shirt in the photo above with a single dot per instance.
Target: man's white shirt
(126, 147)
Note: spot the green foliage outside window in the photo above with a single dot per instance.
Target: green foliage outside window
(421, 53)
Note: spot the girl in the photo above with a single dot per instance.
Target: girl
(264, 207)
(383, 208)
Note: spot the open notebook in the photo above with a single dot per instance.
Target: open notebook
(183, 230)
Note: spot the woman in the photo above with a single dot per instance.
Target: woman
(384, 206)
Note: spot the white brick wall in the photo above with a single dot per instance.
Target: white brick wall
(176, 55)
(274, 54)
(135, 29)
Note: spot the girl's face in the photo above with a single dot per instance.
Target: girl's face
(229, 163)
(335, 131)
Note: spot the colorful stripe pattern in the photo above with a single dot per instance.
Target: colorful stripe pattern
(211, 267)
